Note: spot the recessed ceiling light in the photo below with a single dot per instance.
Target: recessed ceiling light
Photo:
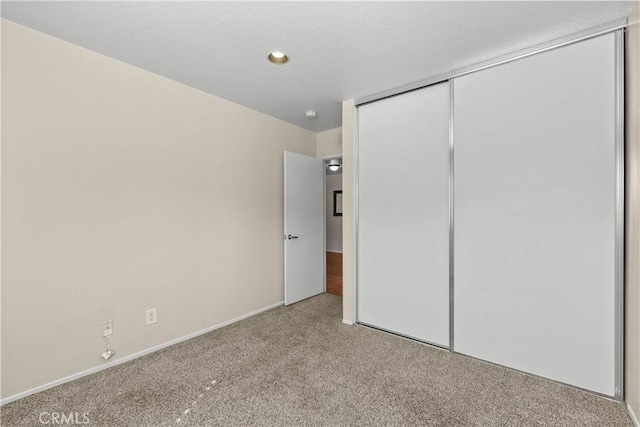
(277, 57)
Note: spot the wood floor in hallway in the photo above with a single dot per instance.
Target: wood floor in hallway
(334, 273)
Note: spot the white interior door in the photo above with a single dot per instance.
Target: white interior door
(304, 259)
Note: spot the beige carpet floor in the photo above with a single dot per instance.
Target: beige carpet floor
(300, 366)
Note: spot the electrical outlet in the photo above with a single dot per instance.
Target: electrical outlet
(107, 328)
(152, 316)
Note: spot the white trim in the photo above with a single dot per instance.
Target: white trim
(284, 225)
(632, 415)
(324, 225)
(347, 322)
(335, 252)
(619, 217)
(355, 112)
(134, 355)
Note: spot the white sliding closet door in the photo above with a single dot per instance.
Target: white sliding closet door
(535, 214)
(403, 247)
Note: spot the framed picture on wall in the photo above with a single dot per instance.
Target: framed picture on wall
(337, 203)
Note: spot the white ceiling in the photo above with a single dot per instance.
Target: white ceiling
(338, 50)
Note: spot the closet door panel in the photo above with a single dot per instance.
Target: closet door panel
(403, 221)
(535, 185)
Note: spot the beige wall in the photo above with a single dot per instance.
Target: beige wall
(632, 324)
(123, 191)
(348, 214)
(329, 143)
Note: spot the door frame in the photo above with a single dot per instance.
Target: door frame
(324, 182)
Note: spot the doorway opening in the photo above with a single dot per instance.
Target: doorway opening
(333, 229)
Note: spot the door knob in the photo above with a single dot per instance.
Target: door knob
(289, 237)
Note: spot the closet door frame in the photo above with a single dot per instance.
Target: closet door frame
(620, 217)
(619, 190)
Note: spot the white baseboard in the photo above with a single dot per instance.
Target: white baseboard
(347, 322)
(633, 416)
(133, 356)
(335, 252)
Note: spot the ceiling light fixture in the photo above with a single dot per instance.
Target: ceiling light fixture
(311, 114)
(333, 165)
(278, 58)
